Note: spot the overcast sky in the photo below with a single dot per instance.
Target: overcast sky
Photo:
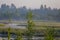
(32, 3)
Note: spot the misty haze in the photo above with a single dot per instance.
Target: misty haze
(29, 19)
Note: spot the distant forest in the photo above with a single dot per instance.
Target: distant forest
(43, 13)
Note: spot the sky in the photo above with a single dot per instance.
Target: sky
(32, 3)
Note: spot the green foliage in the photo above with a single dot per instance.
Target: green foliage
(9, 36)
(49, 34)
(29, 15)
(9, 29)
(30, 26)
(19, 35)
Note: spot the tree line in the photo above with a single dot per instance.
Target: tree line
(43, 13)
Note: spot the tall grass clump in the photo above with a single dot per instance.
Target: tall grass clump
(30, 25)
(49, 33)
(9, 31)
(19, 35)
